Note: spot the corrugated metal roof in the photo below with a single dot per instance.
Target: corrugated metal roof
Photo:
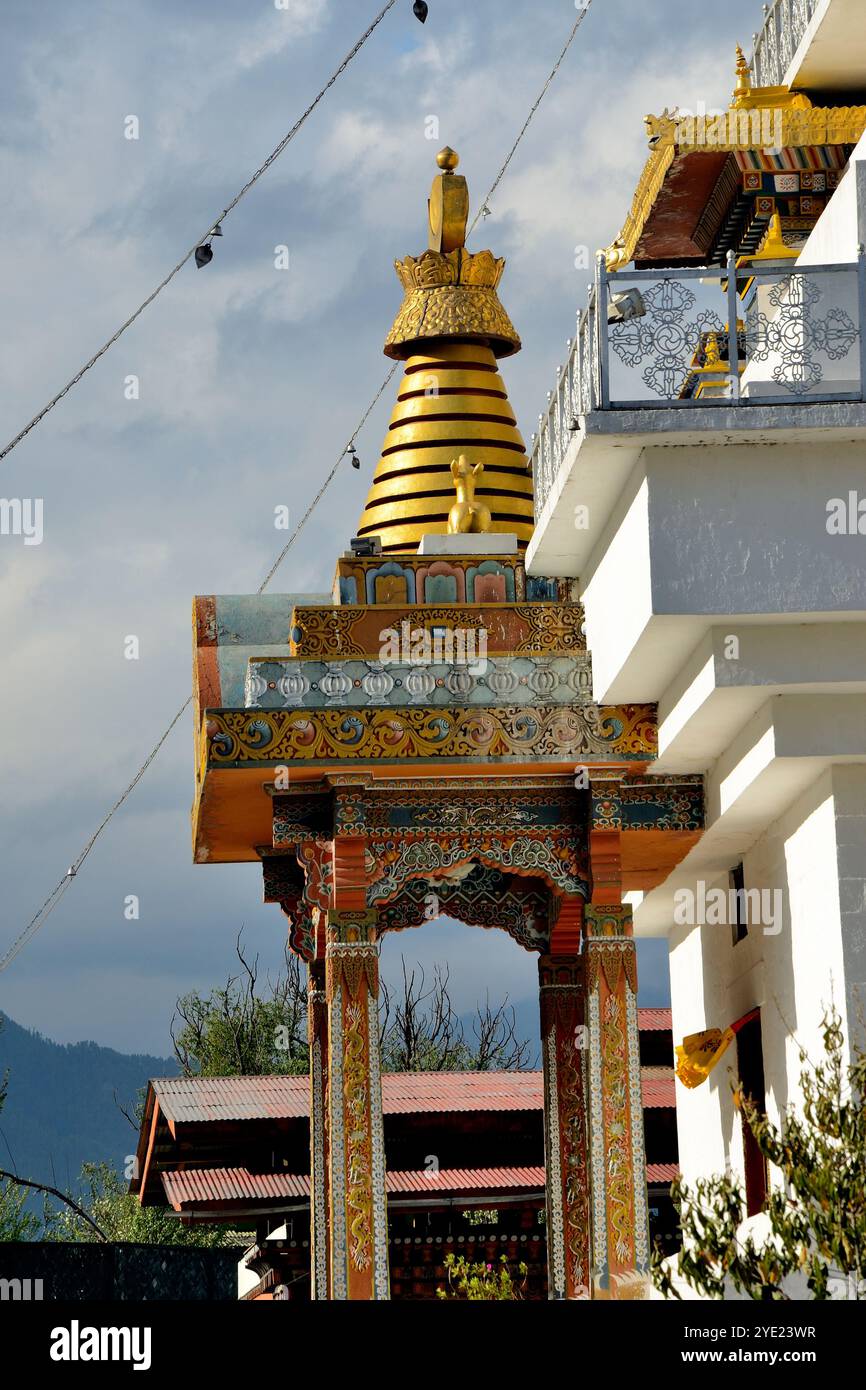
(423, 1092)
(654, 1020)
(197, 1187)
(202, 1100)
(662, 1172)
(202, 1188)
(191, 1188)
(184, 1099)
(465, 1180)
(657, 1088)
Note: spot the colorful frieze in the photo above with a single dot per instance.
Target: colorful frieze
(459, 633)
(362, 808)
(441, 579)
(425, 811)
(234, 738)
(663, 804)
(296, 684)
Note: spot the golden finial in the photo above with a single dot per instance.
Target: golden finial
(775, 247)
(448, 205)
(448, 160)
(744, 79)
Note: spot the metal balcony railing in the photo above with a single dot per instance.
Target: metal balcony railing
(798, 333)
(785, 23)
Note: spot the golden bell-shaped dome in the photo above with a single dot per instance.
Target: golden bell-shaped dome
(450, 330)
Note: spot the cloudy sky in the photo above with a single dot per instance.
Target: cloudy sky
(251, 378)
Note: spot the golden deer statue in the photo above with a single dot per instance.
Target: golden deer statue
(467, 515)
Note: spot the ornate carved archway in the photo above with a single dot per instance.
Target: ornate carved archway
(360, 857)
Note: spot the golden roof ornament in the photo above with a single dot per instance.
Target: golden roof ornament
(744, 79)
(774, 247)
(449, 292)
(747, 97)
(448, 204)
(452, 427)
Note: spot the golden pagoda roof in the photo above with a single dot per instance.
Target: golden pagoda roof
(452, 401)
(759, 120)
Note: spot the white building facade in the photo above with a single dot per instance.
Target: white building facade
(713, 515)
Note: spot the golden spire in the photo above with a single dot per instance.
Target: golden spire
(744, 79)
(449, 330)
(774, 247)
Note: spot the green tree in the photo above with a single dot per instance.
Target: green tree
(119, 1216)
(816, 1208)
(16, 1223)
(236, 1030)
(240, 1029)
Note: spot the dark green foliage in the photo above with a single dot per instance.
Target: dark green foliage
(103, 1195)
(816, 1205)
(236, 1030)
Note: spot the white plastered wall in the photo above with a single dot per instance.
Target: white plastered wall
(790, 975)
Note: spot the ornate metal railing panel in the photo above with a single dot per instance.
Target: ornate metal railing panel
(798, 335)
(785, 23)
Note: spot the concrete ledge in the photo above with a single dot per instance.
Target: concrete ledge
(489, 543)
(608, 443)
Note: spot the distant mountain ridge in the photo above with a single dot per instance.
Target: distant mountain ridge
(61, 1111)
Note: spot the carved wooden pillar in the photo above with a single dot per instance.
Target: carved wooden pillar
(299, 882)
(620, 1220)
(317, 1031)
(563, 1045)
(605, 839)
(358, 1215)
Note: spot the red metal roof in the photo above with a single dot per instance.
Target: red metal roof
(186, 1099)
(205, 1189)
(201, 1189)
(654, 1020)
(407, 1093)
(657, 1088)
(202, 1100)
(466, 1180)
(662, 1172)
